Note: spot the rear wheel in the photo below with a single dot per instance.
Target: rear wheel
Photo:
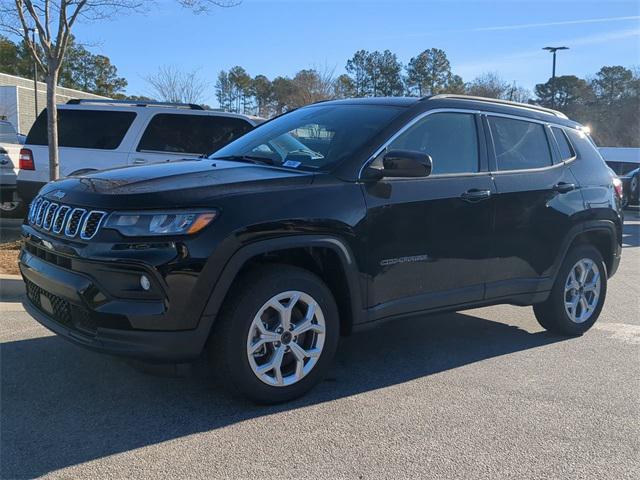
(277, 334)
(578, 294)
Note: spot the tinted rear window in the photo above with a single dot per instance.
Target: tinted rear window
(519, 144)
(99, 129)
(566, 150)
(198, 134)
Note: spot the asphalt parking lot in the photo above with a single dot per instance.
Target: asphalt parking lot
(478, 394)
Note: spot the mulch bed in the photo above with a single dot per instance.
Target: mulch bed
(9, 257)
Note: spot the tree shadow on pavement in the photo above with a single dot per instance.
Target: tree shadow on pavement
(62, 405)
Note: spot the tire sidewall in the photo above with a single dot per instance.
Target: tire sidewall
(271, 283)
(17, 212)
(558, 293)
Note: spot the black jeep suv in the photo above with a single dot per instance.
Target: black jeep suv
(325, 220)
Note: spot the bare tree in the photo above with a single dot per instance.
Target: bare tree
(53, 22)
(173, 85)
(489, 85)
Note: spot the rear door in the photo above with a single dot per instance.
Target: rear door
(174, 136)
(536, 199)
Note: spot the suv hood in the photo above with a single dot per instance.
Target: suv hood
(171, 184)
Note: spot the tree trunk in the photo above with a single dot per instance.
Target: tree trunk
(52, 124)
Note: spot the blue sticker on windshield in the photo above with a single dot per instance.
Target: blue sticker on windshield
(291, 163)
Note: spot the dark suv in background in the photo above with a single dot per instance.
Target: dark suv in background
(329, 219)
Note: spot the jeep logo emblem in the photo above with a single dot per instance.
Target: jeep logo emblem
(59, 194)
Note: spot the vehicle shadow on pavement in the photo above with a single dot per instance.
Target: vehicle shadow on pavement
(62, 405)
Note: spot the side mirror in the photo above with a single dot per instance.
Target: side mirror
(402, 163)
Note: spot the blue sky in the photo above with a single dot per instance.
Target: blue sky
(281, 37)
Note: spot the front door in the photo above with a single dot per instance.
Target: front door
(428, 237)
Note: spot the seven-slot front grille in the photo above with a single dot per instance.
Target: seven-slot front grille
(65, 220)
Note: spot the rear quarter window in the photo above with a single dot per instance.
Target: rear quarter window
(565, 148)
(96, 129)
(192, 134)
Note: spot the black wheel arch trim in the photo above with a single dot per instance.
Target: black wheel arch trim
(244, 254)
(608, 226)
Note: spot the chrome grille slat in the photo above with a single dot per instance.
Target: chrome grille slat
(41, 211)
(48, 216)
(34, 209)
(74, 222)
(91, 224)
(61, 218)
(64, 219)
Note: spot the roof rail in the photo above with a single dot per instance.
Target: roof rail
(133, 103)
(528, 106)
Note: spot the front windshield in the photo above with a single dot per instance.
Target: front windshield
(311, 138)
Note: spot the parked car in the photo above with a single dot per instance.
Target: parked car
(265, 256)
(625, 162)
(10, 206)
(99, 134)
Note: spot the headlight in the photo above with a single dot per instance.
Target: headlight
(154, 223)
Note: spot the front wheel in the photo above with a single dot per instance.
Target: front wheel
(578, 295)
(277, 334)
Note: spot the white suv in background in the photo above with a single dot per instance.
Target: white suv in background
(9, 152)
(100, 134)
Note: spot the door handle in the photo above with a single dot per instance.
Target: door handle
(475, 195)
(139, 161)
(563, 187)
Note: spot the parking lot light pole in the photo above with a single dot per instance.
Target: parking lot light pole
(553, 72)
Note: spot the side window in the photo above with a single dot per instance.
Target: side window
(451, 139)
(566, 150)
(98, 129)
(519, 144)
(193, 134)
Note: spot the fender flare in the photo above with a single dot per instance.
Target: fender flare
(244, 254)
(589, 226)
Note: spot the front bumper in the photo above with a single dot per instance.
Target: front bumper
(75, 306)
(180, 346)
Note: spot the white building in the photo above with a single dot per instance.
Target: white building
(17, 100)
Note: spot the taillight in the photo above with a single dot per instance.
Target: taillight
(26, 160)
(617, 186)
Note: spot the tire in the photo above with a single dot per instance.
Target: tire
(12, 210)
(576, 319)
(238, 331)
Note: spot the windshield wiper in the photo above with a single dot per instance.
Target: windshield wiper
(246, 158)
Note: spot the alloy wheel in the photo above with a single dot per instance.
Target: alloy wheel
(582, 290)
(286, 338)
